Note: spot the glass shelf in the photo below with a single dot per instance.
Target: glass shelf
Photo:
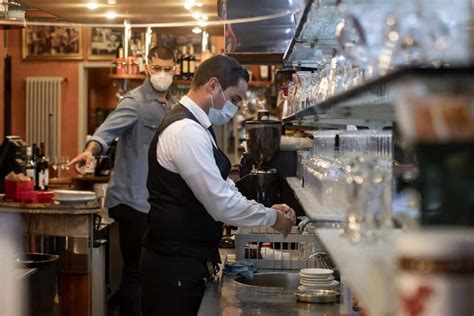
(371, 103)
(313, 40)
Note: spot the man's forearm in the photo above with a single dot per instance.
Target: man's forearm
(94, 147)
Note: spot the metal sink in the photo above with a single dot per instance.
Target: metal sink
(284, 280)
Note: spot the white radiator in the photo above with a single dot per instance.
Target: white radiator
(43, 112)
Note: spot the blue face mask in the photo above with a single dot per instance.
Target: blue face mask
(219, 117)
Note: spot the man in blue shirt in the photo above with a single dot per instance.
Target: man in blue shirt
(134, 122)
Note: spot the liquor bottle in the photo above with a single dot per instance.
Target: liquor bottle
(36, 157)
(184, 64)
(177, 73)
(30, 168)
(264, 73)
(44, 168)
(192, 62)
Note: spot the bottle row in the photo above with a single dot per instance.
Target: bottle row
(36, 166)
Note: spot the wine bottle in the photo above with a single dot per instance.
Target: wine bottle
(184, 64)
(36, 156)
(192, 62)
(30, 168)
(264, 73)
(44, 168)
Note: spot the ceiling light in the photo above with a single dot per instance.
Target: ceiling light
(198, 4)
(92, 5)
(202, 23)
(188, 4)
(196, 15)
(111, 15)
(204, 17)
(197, 30)
(112, 1)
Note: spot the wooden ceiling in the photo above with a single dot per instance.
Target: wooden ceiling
(136, 11)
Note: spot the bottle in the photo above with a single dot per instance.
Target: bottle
(184, 64)
(36, 156)
(264, 73)
(44, 168)
(177, 73)
(30, 168)
(192, 62)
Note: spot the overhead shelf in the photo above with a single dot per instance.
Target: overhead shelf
(371, 104)
(315, 34)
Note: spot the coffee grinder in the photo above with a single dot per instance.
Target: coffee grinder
(263, 143)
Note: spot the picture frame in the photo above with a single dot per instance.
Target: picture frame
(52, 42)
(102, 42)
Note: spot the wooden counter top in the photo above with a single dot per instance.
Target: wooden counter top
(51, 208)
(73, 220)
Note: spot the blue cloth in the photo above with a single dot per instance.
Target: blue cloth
(134, 121)
(240, 268)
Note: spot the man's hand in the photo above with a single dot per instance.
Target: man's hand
(84, 158)
(286, 218)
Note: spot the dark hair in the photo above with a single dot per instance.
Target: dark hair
(162, 52)
(225, 68)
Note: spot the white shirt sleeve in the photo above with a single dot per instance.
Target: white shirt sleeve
(186, 148)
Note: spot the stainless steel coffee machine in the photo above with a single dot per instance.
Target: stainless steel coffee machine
(259, 178)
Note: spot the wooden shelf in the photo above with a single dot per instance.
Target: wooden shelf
(253, 83)
(126, 76)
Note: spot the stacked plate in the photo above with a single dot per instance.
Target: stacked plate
(71, 196)
(314, 279)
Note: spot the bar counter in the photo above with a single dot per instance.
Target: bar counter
(72, 220)
(229, 297)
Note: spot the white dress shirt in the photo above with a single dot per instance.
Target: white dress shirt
(186, 147)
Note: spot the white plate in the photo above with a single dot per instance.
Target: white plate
(327, 281)
(312, 272)
(73, 196)
(331, 285)
(314, 283)
(316, 277)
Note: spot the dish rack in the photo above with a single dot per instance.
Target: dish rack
(266, 248)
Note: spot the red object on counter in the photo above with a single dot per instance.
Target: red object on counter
(14, 188)
(36, 197)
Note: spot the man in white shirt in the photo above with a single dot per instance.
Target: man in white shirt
(191, 194)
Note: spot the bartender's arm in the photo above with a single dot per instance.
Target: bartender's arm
(187, 149)
(116, 124)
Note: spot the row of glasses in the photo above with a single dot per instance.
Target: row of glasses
(381, 35)
(59, 164)
(336, 75)
(355, 180)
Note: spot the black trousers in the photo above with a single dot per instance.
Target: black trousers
(132, 227)
(172, 285)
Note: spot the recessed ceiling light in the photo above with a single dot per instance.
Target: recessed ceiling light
(198, 4)
(188, 4)
(111, 15)
(196, 15)
(112, 1)
(92, 5)
(197, 30)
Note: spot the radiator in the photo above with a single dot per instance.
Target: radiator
(43, 113)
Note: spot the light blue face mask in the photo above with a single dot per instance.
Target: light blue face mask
(219, 117)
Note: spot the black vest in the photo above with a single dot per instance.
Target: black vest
(178, 223)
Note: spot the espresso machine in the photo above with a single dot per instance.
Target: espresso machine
(263, 169)
(259, 177)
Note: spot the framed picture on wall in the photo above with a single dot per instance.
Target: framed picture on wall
(103, 42)
(52, 42)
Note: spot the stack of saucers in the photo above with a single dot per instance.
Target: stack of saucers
(314, 279)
